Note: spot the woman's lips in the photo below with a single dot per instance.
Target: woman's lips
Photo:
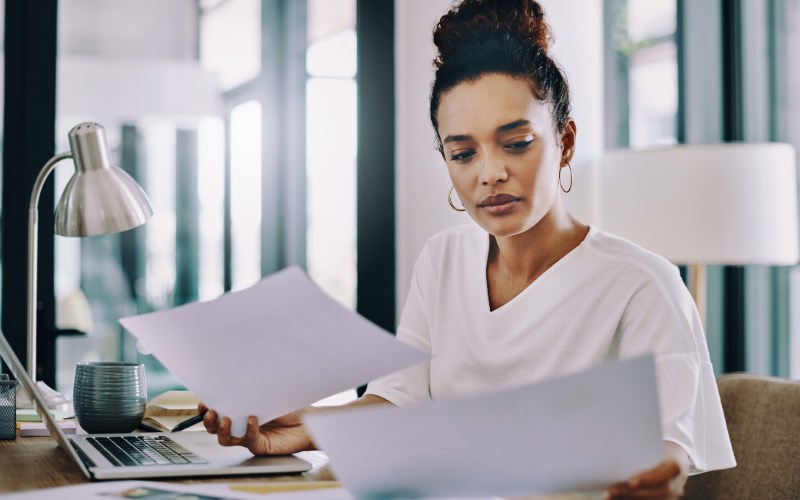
(499, 204)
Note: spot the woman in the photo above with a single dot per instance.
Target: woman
(541, 294)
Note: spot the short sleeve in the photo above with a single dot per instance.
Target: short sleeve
(411, 384)
(661, 319)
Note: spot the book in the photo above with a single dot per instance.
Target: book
(169, 409)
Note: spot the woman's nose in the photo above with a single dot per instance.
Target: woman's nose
(493, 170)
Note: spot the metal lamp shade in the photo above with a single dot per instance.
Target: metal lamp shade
(100, 198)
(101, 202)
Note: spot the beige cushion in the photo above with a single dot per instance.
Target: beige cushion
(763, 417)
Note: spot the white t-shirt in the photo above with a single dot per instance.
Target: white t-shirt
(606, 299)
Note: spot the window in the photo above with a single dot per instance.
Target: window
(241, 182)
(211, 200)
(331, 152)
(331, 147)
(642, 35)
(786, 17)
(245, 141)
(227, 28)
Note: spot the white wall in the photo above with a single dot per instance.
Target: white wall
(122, 61)
(421, 179)
(153, 29)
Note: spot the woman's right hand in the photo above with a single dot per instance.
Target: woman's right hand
(282, 436)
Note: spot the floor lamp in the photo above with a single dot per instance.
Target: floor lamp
(100, 198)
(728, 204)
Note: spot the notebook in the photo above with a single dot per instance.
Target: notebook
(150, 455)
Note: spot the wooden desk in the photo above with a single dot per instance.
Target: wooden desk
(29, 463)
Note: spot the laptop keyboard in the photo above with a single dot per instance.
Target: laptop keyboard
(144, 450)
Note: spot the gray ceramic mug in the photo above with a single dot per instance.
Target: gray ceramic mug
(109, 396)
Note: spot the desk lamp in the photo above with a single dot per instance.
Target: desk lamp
(728, 204)
(100, 198)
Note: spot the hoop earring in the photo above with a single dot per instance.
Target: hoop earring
(450, 201)
(561, 184)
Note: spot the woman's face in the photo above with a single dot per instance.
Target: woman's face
(502, 152)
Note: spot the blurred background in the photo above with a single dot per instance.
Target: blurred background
(270, 133)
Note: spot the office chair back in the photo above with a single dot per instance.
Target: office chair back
(763, 417)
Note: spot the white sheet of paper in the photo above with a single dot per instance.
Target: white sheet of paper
(575, 433)
(211, 491)
(270, 349)
(208, 491)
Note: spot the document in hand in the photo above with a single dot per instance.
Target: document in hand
(575, 433)
(270, 349)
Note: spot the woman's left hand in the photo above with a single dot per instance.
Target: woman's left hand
(664, 481)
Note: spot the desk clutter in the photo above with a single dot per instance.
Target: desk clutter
(283, 490)
(8, 407)
(167, 412)
(29, 423)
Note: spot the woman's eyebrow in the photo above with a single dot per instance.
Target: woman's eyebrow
(512, 125)
(455, 138)
(500, 129)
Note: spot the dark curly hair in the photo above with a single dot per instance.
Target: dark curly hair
(510, 37)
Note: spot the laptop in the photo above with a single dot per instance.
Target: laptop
(150, 455)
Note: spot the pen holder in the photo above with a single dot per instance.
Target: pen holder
(8, 408)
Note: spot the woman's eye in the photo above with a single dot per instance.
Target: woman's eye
(519, 145)
(462, 155)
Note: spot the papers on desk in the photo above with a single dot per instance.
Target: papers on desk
(576, 433)
(295, 490)
(277, 346)
(164, 491)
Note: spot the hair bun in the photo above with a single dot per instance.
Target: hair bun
(477, 18)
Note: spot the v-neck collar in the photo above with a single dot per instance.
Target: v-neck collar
(534, 284)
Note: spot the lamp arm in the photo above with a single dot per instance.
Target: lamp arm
(33, 242)
(44, 174)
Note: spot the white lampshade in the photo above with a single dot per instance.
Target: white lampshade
(732, 203)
